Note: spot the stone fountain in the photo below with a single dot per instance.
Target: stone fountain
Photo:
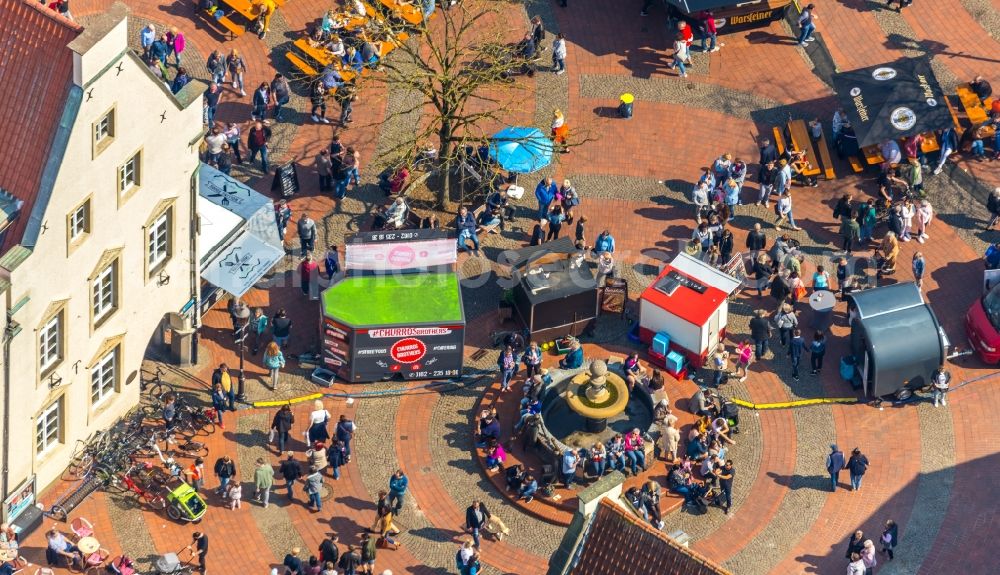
(598, 395)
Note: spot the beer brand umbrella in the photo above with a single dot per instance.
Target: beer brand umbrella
(521, 149)
(892, 101)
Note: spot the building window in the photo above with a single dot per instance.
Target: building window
(159, 240)
(79, 222)
(129, 176)
(47, 427)
(104, 378)
(50, 343)
(105, 290)
(104, 129)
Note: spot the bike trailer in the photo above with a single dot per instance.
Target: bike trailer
(187, 501)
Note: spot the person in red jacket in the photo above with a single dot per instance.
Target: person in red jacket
(708, 32)
(308, 273)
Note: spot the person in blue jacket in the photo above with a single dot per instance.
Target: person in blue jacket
(545, 193)
(573, 359)
(352, 59)
(605, 243)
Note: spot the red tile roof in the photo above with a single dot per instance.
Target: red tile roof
(620, 542)
(35, 79)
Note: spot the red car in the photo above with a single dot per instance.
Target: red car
(982, 326)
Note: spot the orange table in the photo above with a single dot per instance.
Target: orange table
(409, 12)
(242, 7)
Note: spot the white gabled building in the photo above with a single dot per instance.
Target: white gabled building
(98, 177)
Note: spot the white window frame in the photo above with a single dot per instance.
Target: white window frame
(159, 233)
(79, 222)
(130, 174)
(104, 290)
(48, 428)
(104, 378)
(104, 128)
(48, 360)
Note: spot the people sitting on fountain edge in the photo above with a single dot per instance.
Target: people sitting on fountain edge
(495, 455)
(616, 452)
(598, 459)
(530, 407)
(634, 372)
(528, 488)
(573, 359)
(487, 428)
(703, 402)
(635, 451)
(514, 476)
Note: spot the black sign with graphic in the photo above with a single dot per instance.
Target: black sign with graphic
(892, 101)
(411, 352)
(286, 180)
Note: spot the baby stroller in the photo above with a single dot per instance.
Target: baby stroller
(729, 410)
(170, 564)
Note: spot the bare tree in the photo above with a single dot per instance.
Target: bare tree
(461, 69)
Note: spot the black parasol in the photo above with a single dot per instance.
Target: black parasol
(892, 101)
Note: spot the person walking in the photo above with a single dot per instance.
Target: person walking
(795, 346)
(786, 321)
(855, 545)
(292, 562)
(369, 551)
(258, 325)
(850, 231)
(309, 275)
(263, 479)
(331, 261)
(274, 361)
(817, 349)
(545, 193)
(225, 470)
(476, 519)
(398, 486)
(344, 432)
(345, 96)
(725, 476)
(232, 134)
(760, 332)
(281, 425)
(290, 471)
(219, 399)
(237, 68)
(868, 557)
(940, 380)
(857, 465)
(222, 377)
(834, 464)
(806, 24)
(281, 93)
(259, 101)
(199, 550)
(177, 44)
(532, 359)
(890, 537)
(681, 55)
(918, 269)
(314, 489)
(257, 139)
(281, 327)
(559, 54)
(756, 241)
(307, 234)
(336, 456)
(507, 362)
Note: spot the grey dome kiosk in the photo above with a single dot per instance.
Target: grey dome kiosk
(895, 338)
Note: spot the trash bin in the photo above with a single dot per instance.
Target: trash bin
(625, 105)
(847, 364)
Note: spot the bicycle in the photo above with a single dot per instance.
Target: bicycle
(125, 483)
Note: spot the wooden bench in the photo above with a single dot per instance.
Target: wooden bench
(972, 105)
(856, 164)
(486, 229)
(825, 160)
(301, 64)
(872, 154)
(779, 140)
(226, 26)
(243, 7)
(800, 142)
(930, 143)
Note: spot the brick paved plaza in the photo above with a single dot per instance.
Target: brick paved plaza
(933, 470)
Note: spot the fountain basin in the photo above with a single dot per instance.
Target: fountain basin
(597, 402)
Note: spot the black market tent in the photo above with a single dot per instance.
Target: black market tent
(519, 257)
(692, 6)
(892, 101)
(895, 338)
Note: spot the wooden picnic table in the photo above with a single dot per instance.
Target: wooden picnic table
(243, 7)
(972, 105)
(321, 55)
(409, 12)
(873, 153)
(800, 140)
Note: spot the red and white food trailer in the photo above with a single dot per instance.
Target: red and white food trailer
(688, 302)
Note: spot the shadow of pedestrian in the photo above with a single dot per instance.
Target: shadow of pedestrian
(798, 481)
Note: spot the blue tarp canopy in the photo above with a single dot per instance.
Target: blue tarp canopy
(521, 149)
(239, 240)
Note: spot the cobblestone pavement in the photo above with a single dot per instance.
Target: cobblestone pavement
(933, 469)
